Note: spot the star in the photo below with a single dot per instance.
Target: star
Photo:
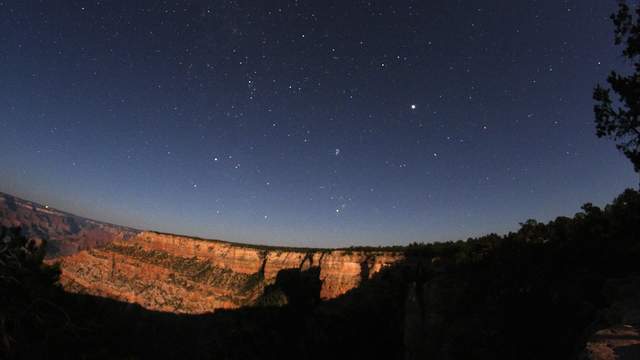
(361, 91)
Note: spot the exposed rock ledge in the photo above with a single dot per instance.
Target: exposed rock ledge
(617, 335)
(189, 275)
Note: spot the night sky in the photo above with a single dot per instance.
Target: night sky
(308, 123)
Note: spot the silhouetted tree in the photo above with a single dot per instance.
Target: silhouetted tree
(619, 119)
(27, 314)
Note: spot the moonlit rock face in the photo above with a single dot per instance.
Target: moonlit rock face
(188, 275)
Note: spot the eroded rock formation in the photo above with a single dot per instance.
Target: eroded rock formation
(189, 275)
(177, 273)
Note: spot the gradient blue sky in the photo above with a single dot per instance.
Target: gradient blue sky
(291, 122)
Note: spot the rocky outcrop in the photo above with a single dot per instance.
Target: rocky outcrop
(65, 233)
(178, 273)
(620, 342)
(617, 331)
(190, 275)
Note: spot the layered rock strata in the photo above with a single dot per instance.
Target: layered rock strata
(190, 275)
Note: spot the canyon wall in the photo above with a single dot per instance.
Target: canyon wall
(190, 275)
(177, 273)
(65, 233)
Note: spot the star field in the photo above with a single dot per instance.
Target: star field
(306, 123)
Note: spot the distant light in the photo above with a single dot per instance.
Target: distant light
(337, 152)
(413, 106)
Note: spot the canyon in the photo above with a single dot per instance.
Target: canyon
(63, 232)
(181, 274)
(189, 275)
(211, 297)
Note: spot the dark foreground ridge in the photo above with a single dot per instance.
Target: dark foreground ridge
(547, 291)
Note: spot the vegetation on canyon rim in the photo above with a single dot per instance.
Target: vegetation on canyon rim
(532, 294)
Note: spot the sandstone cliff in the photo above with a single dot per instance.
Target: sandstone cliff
(190, 275)
(177, 273)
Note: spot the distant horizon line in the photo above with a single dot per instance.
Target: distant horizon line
(4, 194)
